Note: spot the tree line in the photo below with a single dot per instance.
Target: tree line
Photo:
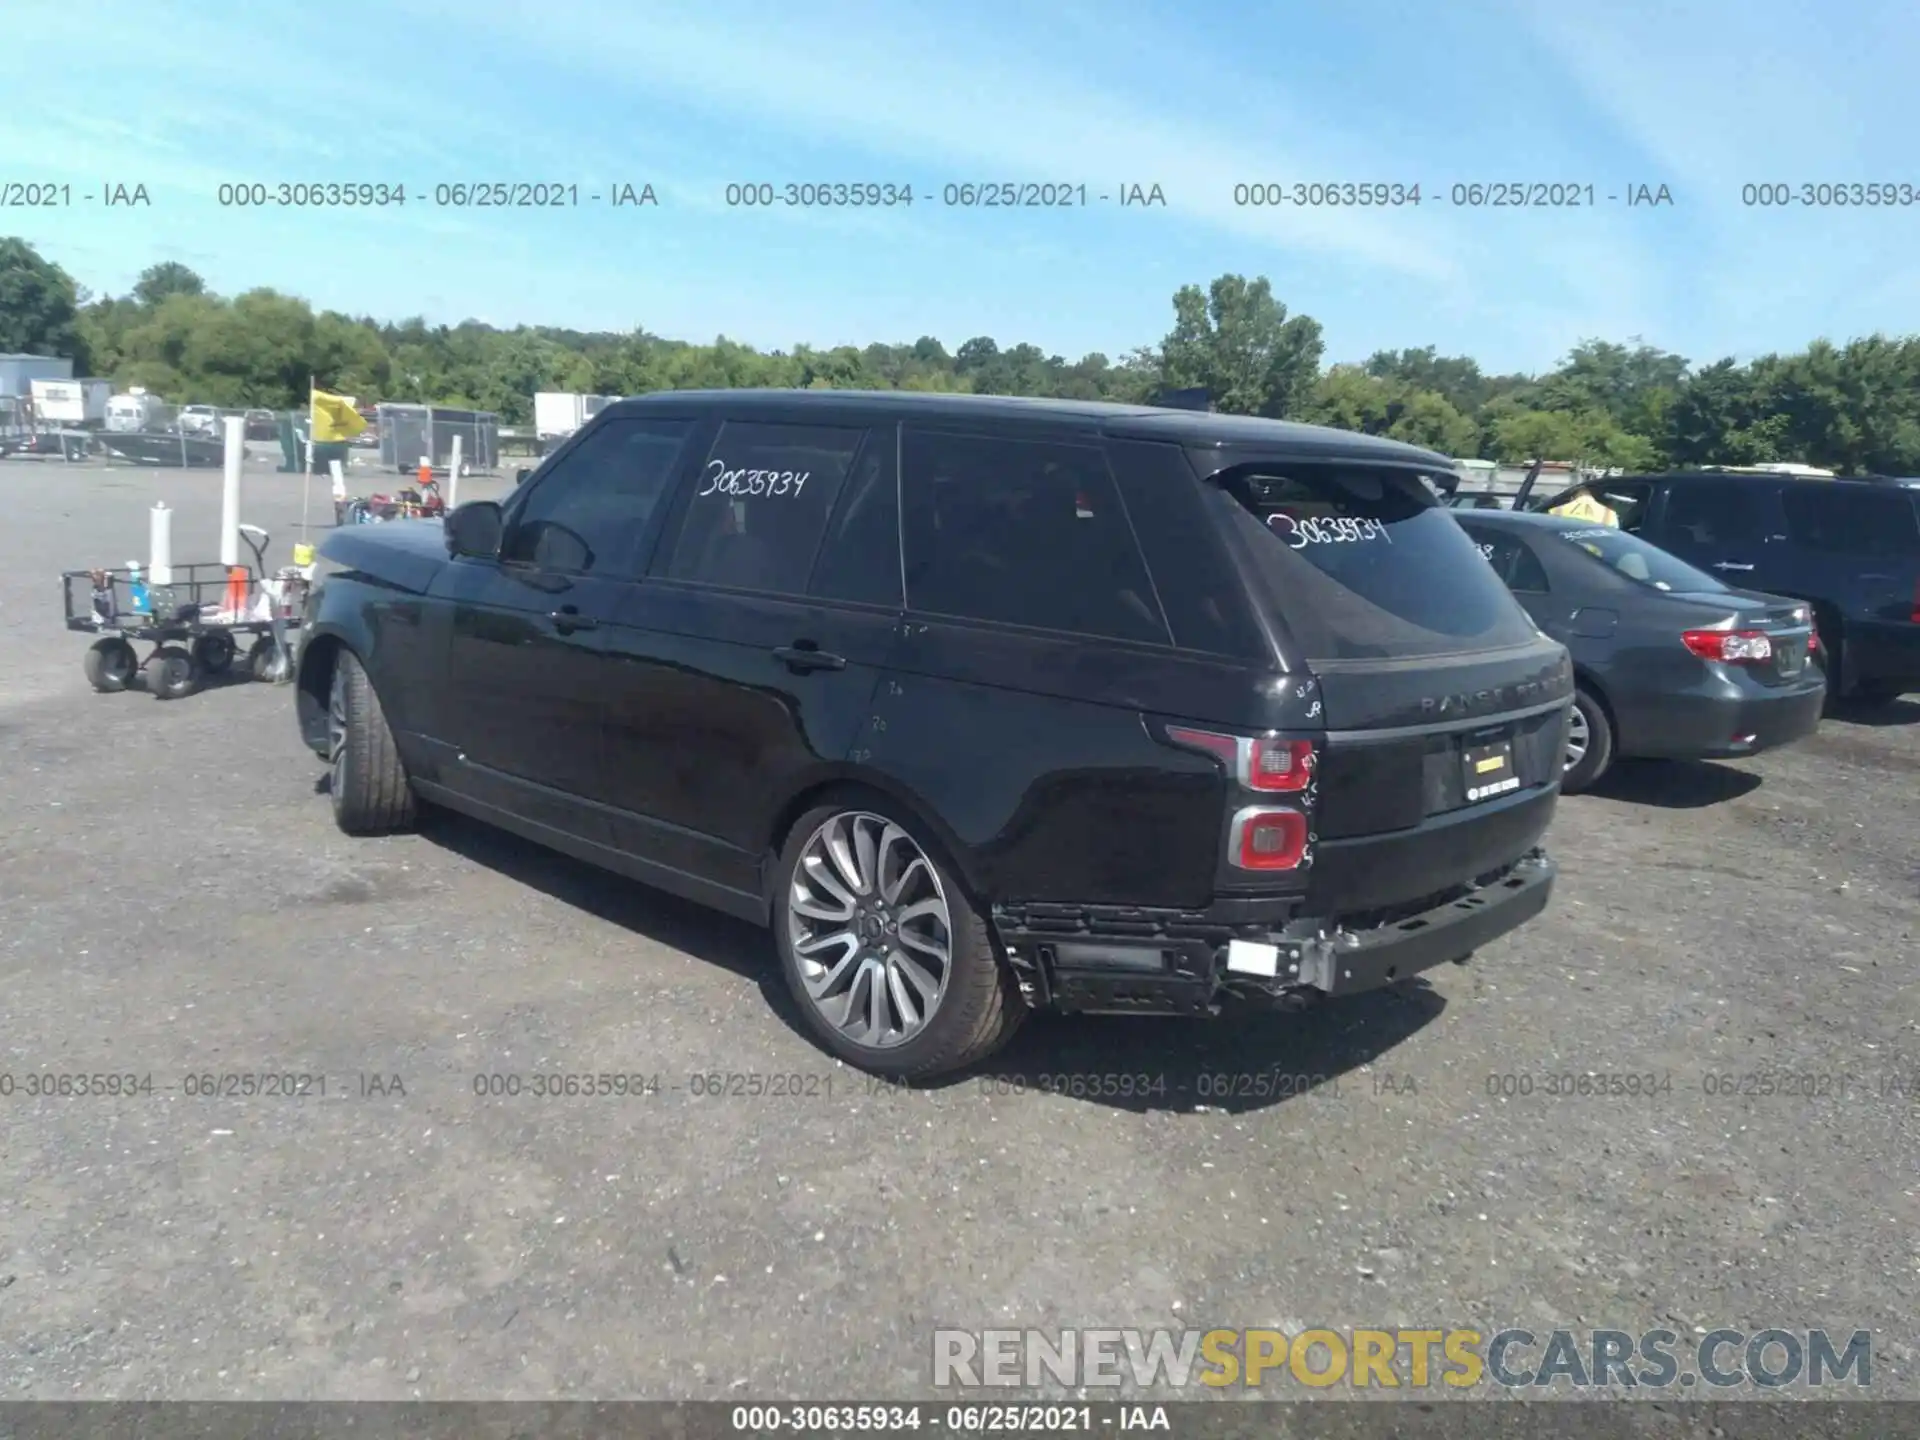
(1854, 408)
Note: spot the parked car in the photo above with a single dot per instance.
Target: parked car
(1849, 548)
(1668, 661)
(982, 704)
(199, 419)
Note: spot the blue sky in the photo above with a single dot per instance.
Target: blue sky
(1701, 97)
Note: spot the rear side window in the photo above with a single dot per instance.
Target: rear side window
(759, 504)
(1512, 558)
(1362, 563)
(1025, 533)
(1849, 521)
(1634, 558)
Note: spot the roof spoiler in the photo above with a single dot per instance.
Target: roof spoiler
(1526, 485)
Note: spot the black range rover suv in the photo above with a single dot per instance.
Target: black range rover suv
(981, 704)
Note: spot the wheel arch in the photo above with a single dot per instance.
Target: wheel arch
(1585, 679)
(850, 781)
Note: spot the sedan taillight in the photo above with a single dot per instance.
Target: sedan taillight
(1733, 647)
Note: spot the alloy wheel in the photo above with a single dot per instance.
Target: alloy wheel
(1579, 737)
(337, 729)
(870, 929)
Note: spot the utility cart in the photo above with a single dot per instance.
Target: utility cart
(195, 623)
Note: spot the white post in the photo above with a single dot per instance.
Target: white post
(235, 456)
(453, 475)
(339, 473)
(160, 544)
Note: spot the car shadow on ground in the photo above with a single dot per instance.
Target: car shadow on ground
(1894, 712)
(1246, 1060)
(1674, 784)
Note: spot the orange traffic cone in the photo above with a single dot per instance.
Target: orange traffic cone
(426, 472)
(237, 588)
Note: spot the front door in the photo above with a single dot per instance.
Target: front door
(1719, 526)
(523, 719)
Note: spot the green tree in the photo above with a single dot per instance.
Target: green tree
(39, 306)
(1236, 340)
(168, 278)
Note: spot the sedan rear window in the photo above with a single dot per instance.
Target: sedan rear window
(1637, 560)
(1363, 563)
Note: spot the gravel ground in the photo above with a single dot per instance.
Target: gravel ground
(174, 901)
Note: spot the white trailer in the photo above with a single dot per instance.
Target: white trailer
(558, 413)
(80, 404)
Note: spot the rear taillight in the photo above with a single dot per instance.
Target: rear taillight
(1261, 837)
(1914, 615)
(1265, 763)
(1267, 839)
(1734, 647)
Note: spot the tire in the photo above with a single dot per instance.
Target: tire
(260, 659)
(1879, 692)
(213, 652)
(975, 1009)
(369, 787)
(1832, 647)
(1588, 721)
(172, 673)
(110, 665)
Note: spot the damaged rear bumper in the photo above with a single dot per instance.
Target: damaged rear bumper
(1191, 963)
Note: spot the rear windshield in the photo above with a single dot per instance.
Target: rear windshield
(1637, 560)
(1363, 563)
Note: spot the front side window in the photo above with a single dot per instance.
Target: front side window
(587, 512)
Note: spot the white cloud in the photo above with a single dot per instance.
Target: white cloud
(1008, 112)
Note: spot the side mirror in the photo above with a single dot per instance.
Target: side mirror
(474, 530)
(520, 476)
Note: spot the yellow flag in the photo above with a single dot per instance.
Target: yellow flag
(334, 419)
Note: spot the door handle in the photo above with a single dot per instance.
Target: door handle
(1729, 565)
(805, 655)
(568, 619)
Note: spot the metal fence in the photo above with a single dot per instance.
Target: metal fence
(408, 432)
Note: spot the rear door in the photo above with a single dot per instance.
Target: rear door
(1035, 641)
(1445, 703)
(742, 669)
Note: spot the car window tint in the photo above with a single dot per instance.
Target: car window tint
(1512, 558)
(1360, 562)
(860, 557)
(1843, 520)
(759, 503)
(587, 512)
(1025, 533)
(1709, 513)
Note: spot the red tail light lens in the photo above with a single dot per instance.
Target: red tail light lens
(1915, 615)
(1263, 839)
(1262, 763)
(1734, 647)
